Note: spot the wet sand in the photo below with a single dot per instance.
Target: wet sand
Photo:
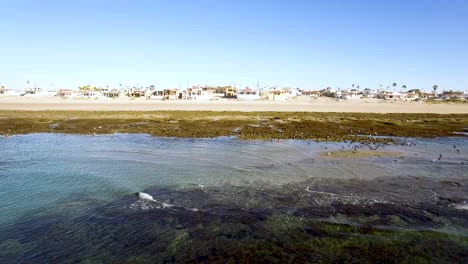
(301, 104)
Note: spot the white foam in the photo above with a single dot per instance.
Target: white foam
(343, 198)
(463, 206)
(147, 202)
(145, 196)
(166, 205)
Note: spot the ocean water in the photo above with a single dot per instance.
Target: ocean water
(70, 198)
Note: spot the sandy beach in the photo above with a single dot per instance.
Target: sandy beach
(301, 104)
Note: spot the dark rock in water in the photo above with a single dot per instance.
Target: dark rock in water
(453, 183)
(450, 200)
(408, 215)
(247, 224)
(318, 212)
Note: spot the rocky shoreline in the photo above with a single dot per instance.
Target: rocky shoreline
(359, 127)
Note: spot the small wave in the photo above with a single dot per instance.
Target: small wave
(149, 205)
(462, 206)
(343, 198)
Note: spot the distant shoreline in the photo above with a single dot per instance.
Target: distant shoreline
(301, 104)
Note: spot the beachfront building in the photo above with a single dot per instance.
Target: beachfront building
(330, 92)
(8, 92)
(157, 95)
(351, 94)
(396, 96)
(248, 94)
(167, 94)
(113, 93)
(172, 94)
(137, 92)
(123, 93)
(88, 91)
(412, 95)
(278, 94)
(451, 95)
(293, 92)
(382, 94)
(429, 95)
(66, 93)
(36, 91)
(369, 93)
(314, 94)
(212, 89)
(92, 94)
(199, 94)
(230, 92)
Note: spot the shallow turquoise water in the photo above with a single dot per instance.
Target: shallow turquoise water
(45, 175)
(43, 170)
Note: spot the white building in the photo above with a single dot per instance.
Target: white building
(35, 92)
(90, 94)
(277, 94)
(350, 94)
(248, 94)
(8, 92)
(197, 93)
(368, 93)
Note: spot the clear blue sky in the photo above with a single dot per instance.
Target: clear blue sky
(309, 44)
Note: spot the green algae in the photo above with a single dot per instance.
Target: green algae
(226, 230)
(251, 125)
(231, 236)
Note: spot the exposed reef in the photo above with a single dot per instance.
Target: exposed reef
(360, 127)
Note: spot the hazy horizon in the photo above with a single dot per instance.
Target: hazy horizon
(306, 44)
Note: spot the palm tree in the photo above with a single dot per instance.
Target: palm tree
(403, 87)
(352, 85)
(435, 87)
(357, 87)
(28, 84)
(394, 85)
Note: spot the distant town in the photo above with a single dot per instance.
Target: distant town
(206, 92)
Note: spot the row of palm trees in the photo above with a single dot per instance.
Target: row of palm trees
(404, 87)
